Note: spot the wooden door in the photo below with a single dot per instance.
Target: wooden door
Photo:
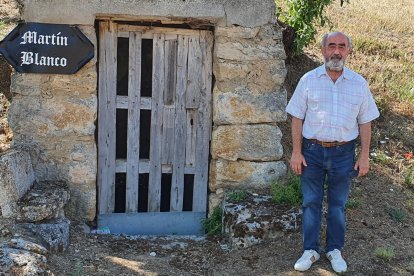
(165, 114)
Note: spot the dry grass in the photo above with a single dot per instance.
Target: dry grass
(383, 48)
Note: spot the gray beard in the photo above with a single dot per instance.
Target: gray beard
(335, 65)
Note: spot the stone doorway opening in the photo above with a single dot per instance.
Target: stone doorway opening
(154, 125)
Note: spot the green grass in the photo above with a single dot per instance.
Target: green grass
(353, 204)
(409, 177)
(237, 196)
(213, 224)
(386, 254)
(398, 215)
(3, 29)
(381, 157)
(79, 270)
(288, 192)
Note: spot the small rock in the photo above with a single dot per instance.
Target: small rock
(153, 254)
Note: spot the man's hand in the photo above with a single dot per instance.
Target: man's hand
(296, 162)
(362, 164)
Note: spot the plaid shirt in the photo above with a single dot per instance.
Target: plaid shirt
(332, 111)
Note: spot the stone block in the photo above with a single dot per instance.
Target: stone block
(44, 201)
(54, 233)
(244, 174)
(248, 49)
(259, 77)
(237, 32)
(22, 262)
(243, 106)
(224, 12)
(259, 142)
(256, 219)
(16, 178)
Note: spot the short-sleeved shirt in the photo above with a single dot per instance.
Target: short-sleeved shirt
(332, 111)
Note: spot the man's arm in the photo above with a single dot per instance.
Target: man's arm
(297, 158)
(363, 160)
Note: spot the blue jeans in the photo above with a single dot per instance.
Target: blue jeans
(336, 163)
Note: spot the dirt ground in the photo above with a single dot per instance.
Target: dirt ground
(369, 227)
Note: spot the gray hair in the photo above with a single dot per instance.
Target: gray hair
(325, 37)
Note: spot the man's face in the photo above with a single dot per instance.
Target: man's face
(336, 51)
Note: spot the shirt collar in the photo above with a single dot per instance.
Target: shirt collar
(321, 70)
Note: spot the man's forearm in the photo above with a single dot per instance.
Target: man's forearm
(365, 134)
(297, 125)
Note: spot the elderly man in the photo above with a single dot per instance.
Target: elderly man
(330, 107)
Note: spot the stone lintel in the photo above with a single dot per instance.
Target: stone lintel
(221, 12)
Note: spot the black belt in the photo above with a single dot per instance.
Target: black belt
(327, 144)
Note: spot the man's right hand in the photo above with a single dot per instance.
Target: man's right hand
(296, 162)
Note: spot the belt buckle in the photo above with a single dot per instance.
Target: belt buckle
(325, 144)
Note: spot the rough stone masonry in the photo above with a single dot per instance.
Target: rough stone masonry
(54, 116)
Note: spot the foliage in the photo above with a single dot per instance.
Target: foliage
(385, 253)
(213, 224)
(79, 270)
(353, 204)
(409, 177)
(237, 196)
(398, 215)
(287, 193)
(303, 16)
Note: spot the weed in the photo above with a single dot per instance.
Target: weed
(353, 204)
(237, 196)
(398, 215)
(381, 158)
(287, 193)
(213, 224)
(79, 270)
(409, 177)
(386, 254)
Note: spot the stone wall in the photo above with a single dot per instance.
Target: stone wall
(53, 116)
(248, 101)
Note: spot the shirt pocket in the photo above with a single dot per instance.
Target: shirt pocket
(316, 110)
(351, 107)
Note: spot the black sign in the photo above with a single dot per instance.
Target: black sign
(46, 48)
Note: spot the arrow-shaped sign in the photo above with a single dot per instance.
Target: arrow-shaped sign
(46, 48)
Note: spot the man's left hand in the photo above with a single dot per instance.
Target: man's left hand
(362, 165)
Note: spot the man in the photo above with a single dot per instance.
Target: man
(330, 107)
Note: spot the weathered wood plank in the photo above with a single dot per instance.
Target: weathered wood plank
(203, 124)
(154, 189)
(106, 117)
(144, 167)
(177, 185)
(149, 29)
(190, 140)
(148, 34)
(122, 102)
(168, 135)
(192, 96)
(170, 71)
(134, 102)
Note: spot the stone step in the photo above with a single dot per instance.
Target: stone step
(23, 256)
(44, 201)
(16, 178)
(53, 234)
(256, 219)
